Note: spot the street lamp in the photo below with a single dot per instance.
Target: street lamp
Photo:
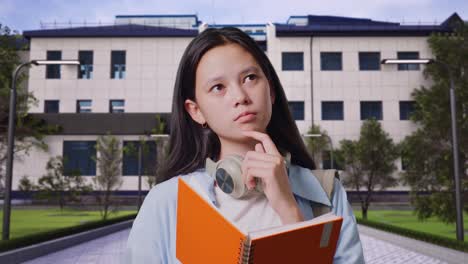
(453, 113)
(140, 160)
(329, 140)
(11, 138)
(55, 62)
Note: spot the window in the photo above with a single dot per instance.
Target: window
(332, 110)
(297, 110)
(369, 61)
(292, 61)
(330, 61)
(51, 106)
(85, 71)
(79, 157)
(371, 109)
(406, 109)
(326, 161)
(408, 55)
(116, 106)
(404, 161)
(83, 106)
(259, 31)
(53, 71)
(118, 64)
(130, 158)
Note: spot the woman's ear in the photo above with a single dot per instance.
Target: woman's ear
(194, 111)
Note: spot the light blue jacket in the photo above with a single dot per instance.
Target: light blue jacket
(153, 235)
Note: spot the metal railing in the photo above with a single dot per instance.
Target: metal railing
(73, 24)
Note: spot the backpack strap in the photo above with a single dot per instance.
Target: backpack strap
(327, 180)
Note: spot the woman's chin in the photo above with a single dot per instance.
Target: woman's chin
(252, 127)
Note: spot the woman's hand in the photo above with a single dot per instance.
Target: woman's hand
(267, 163)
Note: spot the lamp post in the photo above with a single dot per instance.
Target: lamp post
(329, 140)
(453, 113)
(11, 139)
(157, 138)
(140, 160)
(139, 174)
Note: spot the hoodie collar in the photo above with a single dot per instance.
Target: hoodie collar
(303, 183)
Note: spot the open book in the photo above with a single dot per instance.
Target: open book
(204, 235)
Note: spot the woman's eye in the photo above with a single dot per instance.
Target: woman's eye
(251, 77)
(216, 86)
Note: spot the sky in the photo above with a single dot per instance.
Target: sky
(29, 14)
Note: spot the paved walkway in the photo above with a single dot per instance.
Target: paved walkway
(379, 248)
(383, 247)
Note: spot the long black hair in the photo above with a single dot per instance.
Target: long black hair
(190, 144)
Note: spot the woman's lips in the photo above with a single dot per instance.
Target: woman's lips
(246, 118)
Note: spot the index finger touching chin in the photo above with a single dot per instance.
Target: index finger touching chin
(265, 139)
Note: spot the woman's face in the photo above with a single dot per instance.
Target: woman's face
(229, 82)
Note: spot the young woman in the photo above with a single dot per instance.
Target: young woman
(228, 100)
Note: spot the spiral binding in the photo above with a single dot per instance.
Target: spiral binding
(245, 252)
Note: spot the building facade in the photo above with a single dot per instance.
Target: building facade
(329, 67)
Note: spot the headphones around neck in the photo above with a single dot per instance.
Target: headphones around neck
(228, 175)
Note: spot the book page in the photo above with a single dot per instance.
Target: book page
(312, 241)
(274, 230)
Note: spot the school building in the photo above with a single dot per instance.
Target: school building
(329, 67)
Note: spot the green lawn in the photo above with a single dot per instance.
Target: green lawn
(31, 221)
(407, 219)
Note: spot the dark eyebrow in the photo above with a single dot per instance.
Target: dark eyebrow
(248, 69)
(251, 68)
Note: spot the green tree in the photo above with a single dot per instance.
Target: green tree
(369, 162)
(29, 131)
(162, 150)
(26, 185)
(316, 145)
(427, 152)
(131, 149)
(55, 185)
(109, 179)
(348, 157)
(150, 167)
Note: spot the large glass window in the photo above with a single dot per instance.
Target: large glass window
(371, 109)
(404, 162)
(331, 61)
(326, 161)
(53, 71)
(332, 110)
(116, 106)
(51, 106)
(408, 55)
(79, 157)
(292, 61)
(130, 158)
(406, 109)
(369, 61)
(83, 106)
(85, 71)
(297, 110)
(118, 64)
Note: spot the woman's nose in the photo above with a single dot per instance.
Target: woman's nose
(240, 96)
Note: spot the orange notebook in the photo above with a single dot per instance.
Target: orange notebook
(204, 235)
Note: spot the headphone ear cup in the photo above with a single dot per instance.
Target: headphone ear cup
(210, 166)
(229, 176)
